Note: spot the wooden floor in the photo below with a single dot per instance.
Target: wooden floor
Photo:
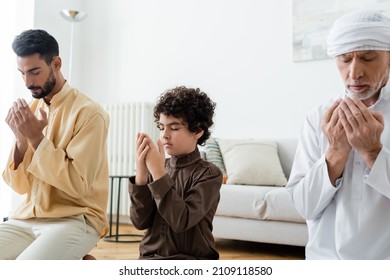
(228, 249)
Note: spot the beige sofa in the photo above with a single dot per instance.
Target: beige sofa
(254, 204)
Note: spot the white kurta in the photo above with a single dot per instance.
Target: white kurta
(352, 220)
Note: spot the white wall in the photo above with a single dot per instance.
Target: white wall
(237, 51)
(17, 16)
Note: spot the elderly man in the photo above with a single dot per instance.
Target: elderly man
(340, 180)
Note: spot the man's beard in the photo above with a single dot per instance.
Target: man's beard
(362, 96)
(368, 93)
(47, 87)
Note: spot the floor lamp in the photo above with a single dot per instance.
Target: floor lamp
(72, 16)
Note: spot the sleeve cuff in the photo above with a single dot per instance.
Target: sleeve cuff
(37, 154)
(160, 187)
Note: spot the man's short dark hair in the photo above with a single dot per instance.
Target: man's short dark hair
(34, 41)
(193, 105)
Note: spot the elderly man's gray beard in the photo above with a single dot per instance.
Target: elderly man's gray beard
(361, 95)
(367, 94)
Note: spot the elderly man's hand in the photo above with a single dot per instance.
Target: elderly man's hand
(338, 150)
(363, 128)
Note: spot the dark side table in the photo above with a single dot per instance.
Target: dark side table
(116, 184)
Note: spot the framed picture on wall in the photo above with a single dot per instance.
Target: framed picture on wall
(312, 20)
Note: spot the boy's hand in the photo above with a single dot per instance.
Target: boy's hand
(155, 159)
(142, 148)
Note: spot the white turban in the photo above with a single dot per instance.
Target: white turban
(359, 30)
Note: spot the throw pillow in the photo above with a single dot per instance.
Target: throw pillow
(252, 162)
(213, 155)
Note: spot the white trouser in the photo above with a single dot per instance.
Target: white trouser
(47, 239)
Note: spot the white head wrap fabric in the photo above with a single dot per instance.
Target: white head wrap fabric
(359, 30)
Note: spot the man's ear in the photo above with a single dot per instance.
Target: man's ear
(57, 62)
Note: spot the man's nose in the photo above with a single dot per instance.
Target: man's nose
(28, 81)
(355, 69)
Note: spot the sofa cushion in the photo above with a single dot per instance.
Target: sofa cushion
(213, 154)
(252, 162)
(277, 205)
(257, 202)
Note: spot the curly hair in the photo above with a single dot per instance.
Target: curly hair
(34, 41)
(193, 105)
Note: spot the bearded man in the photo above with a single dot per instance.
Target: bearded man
(340, 179)
(59, 161)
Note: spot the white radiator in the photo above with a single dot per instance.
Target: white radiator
(126, 120)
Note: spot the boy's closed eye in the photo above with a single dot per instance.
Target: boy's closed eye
(172, 127)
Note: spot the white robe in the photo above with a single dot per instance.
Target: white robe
(352, 220)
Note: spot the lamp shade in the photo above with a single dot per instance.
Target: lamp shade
(73, 15)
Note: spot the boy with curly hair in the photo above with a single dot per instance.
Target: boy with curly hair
(175, 199)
